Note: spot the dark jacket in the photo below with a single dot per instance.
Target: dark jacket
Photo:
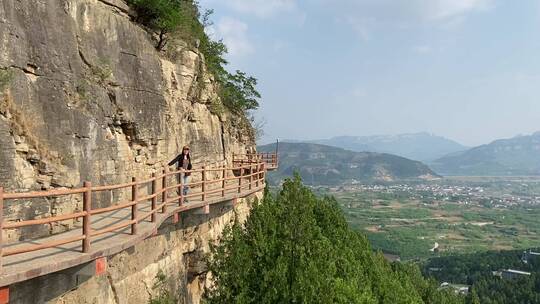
(180, 162)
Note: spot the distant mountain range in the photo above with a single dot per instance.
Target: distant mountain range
(423, 147)
(515, 156)
(326, 165)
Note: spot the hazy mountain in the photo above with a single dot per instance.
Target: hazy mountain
(326, 165)
(418, 146)
(515, 156)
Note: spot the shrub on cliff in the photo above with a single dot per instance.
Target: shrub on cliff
(298, 248)
(182, 20)
(163, 16)
(6, 76)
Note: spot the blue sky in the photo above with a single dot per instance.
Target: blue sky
(468, 70)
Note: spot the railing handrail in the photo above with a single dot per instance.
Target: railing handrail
(255, 172)
(270, 158)
(80, 190)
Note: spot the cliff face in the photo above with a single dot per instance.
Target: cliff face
(91, 99)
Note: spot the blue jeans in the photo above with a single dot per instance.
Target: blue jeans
(185, 180)
(182, 178)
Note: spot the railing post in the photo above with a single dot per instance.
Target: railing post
(258, 176)
(240, 179)
(1, 223)
(203, 185)
(87, 207)
(181, 199)
(164, 194)
(134, 210)
(223, 182)
(263, 173)
(250, 176)
(154, 198)
(263, 165)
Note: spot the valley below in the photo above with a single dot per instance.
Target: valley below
(419, 220)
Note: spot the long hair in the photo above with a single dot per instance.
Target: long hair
(188, 155)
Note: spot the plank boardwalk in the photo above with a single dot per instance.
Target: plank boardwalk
(36, 257)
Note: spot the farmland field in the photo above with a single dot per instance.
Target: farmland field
(419, 221)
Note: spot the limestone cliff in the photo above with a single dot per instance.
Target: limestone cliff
(92, 99)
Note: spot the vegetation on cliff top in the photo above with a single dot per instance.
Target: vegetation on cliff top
(298, 248)
(181, 20)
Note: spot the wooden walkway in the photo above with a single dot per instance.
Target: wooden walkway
(110, 230)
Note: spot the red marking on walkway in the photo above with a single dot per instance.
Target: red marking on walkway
(4, 295)
(101, 266)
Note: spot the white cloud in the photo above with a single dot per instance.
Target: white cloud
(361, 26)
(364, 16)
(448, 9)
(261, 8)
(359, 92)
(279, 45)
(411, 9)
(234, 34)
(422, 49)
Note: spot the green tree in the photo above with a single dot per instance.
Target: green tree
(164, 296)
(163, 16)
(474, 299)
(297, 248)
(239, 92)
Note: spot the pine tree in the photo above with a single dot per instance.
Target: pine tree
(298, 248)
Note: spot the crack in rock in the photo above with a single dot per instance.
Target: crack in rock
(30, 69)
(113, 288)
(83, 58)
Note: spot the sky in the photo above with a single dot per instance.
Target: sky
(468, 70)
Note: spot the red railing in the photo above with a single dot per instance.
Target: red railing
(269, 158)
(208, 184)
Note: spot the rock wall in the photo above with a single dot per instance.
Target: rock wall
(92, 99)
(176, 255)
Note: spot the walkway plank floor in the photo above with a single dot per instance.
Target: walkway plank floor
(20, 267)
